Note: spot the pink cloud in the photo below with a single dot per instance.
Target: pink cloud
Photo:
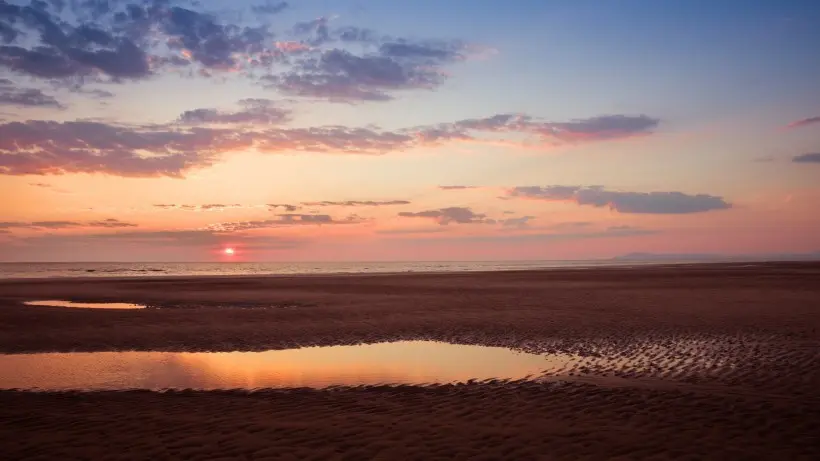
(291, 46)
(48, 147)
(804, 122)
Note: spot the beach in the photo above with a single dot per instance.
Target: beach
(701, 361)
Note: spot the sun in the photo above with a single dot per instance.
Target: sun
(229, 251)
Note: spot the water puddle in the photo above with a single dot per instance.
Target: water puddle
(57, 303)
(402, 362)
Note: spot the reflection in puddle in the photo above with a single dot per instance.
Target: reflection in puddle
(85, 305)
(403, 362)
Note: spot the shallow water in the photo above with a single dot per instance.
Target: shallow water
(55, 303)
(402, 362)
(38, 270)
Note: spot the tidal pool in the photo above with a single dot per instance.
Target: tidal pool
(57, 303)
(402, 362)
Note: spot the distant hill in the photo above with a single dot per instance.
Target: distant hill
(709, 257)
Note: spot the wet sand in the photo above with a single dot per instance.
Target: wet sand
(688, 362)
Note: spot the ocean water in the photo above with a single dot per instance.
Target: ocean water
(45, 270)
(401, 362)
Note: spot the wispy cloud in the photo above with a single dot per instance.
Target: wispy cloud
(13, 95)
(410, 231)
(807, 158)
(253, 112)
(624, 202)
(457, 187)
(49, 147)
(270, 7)
(341, 76)
(284, 206)
(283, 220)
(598, 128)
(198, 208)
(112, 41)
(804, 122)
(520, 222)
(55, 225)
(46, 147)
(43, 185)
(445, 216)
(110, 223)
(356, 203)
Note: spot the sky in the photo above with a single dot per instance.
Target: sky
(333, 130)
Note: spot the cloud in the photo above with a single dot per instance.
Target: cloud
(50, 187)
(602, 127)
(523, 221)
(47, 147)
(624, 202)
(283, 220)
(42, 45)
(445, 216)
(55, 225)
(598, 128)
(423, 53)
(356, 203)
(11, 95)
(270, 7)
(206, 207)
(571, 225)
(92, 93)
(113, 41)
(215, 46)
(457, 187)
(371, 140)
(290, 47)
(39, 225)
(403, 231)
(624, 229)
(284, 206)
(560, 227)
(807, 158)
(352, 34)
(254, 111)
(315, 31)
(338, 75)
(804, 122)
(110, 223)
(334, 139)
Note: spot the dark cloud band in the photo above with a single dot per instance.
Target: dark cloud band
(624, 202)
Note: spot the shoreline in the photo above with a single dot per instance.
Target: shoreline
(698, 355)
(626, 266)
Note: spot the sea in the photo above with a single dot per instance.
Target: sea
(98, 269)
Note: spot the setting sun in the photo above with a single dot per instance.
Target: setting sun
(229, 251)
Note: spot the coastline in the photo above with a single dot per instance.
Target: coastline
(625, 265)
(668, 400)
(547, 266)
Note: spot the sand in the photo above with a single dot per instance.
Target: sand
(677, 362)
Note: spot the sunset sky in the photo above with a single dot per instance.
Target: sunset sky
(326, 130)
